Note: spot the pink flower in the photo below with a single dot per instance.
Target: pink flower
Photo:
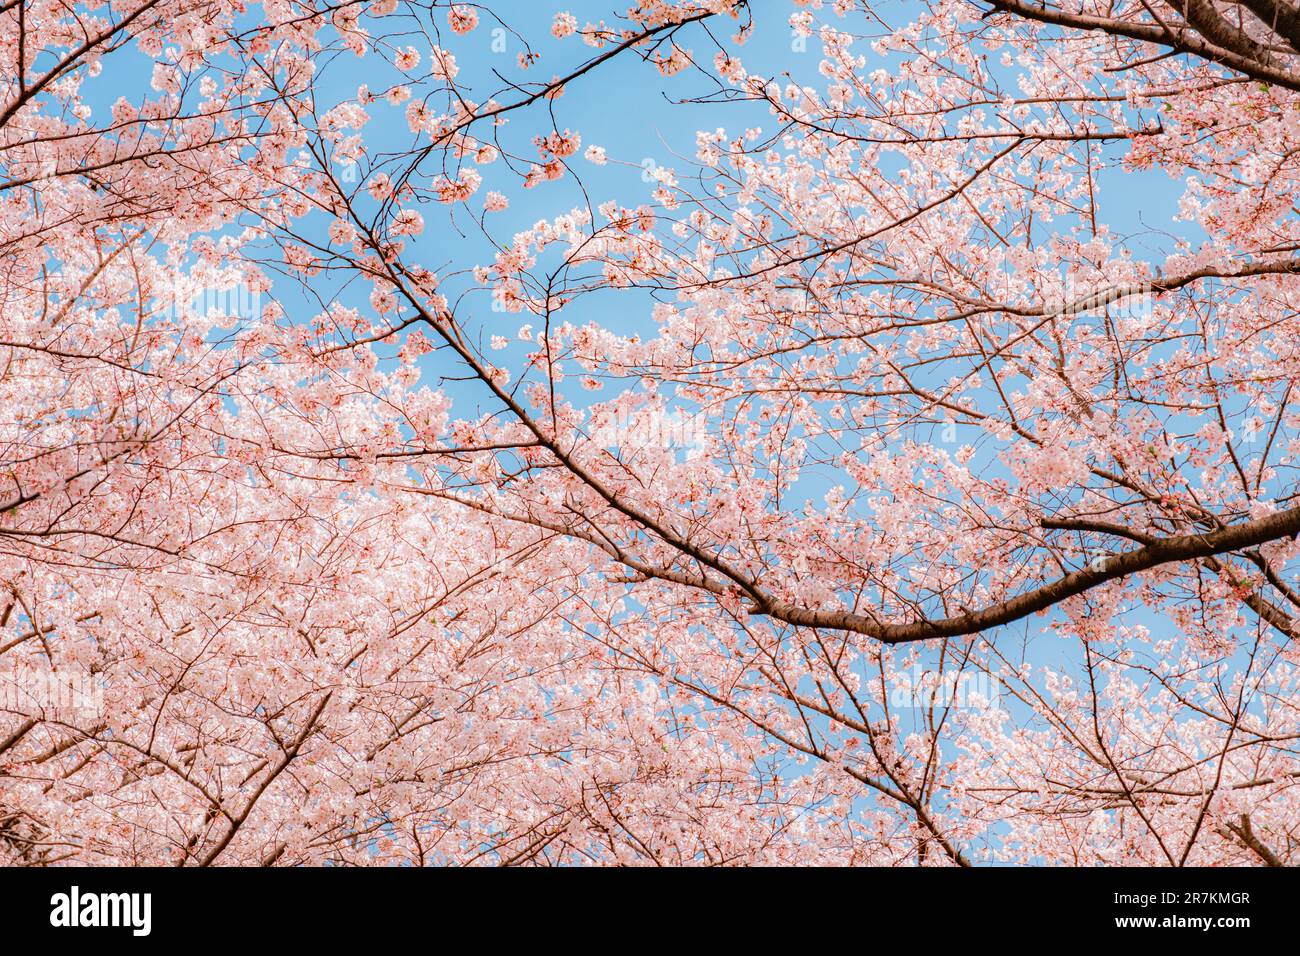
(558, 144)
(407, 59)
(458, 189)
(408, 222)
(166, 79)
(564, 25)
(462, 19)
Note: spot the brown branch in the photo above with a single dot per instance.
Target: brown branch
(1180, 41)
(1247, 836)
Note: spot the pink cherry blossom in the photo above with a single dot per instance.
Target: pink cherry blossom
(901, 470)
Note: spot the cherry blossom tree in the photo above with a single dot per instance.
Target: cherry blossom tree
(925, 515)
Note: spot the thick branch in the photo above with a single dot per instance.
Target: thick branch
(1278, 16)
(1162, 551)
(1181, 41)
